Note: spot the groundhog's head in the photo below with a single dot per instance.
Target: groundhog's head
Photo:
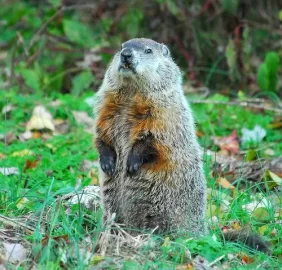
(144, 64)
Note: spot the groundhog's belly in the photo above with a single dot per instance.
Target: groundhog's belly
(135, 122)
(121, 139)
(161, 192)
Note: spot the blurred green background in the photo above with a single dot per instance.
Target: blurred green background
(53, 56)
(64, 46)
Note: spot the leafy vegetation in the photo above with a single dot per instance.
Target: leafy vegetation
(53, 56)
(53, 43)
(267, 73)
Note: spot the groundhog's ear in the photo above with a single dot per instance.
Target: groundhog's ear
(165, 50)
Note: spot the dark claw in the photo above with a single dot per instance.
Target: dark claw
(107, 165)
(133, 165)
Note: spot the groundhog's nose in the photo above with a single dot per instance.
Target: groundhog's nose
(126, 56)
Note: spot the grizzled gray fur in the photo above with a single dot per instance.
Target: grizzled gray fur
(151, 172)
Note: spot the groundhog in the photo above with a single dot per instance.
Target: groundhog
(151, 168)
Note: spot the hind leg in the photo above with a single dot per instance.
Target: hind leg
(196, 213)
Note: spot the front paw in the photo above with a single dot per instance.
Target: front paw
(133, 164)
(108, 164)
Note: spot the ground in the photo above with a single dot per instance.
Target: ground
(47, 158)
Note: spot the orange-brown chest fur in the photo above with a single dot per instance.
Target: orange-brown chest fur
(125, 119)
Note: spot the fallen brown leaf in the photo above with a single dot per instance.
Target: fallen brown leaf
(229, 143)
(30, 164)
(36, 135)
(187, 266)
(63, 237)
(94, 178)
(273, 232)
(277, 123)
(199, 133)
(246, 259)
(224, 183)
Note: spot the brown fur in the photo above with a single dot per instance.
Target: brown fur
(143, 117)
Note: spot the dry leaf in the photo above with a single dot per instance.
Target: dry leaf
(9, 171)
(55, 103)
(212, 210)
(247, 259)
(89, 58)
(225, 206)
(276, 124)
(214, 220)
(250, 207)
(41, 119)
(7, 138)
(84, 119)
(187, 266)
(30, 164)
(272, 180)
(22, 202)
(51, 146)
(78, 182)
(22, 153)
(89, 197)
(8, 108)
(229, 143)
(86, 165)
(14, 252)
(27, 135)
(273, 232)
(200, 263)
(166, 242)
(261, 214)
(262, 229)
(62, 126)
(36, 135)
(96, 259)
(199, 133)
(63, 237)
(93, 175)
(217, 195)
(236, 225)
(269, 152)
(224, 183)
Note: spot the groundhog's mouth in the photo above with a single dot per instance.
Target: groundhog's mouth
(127, 68)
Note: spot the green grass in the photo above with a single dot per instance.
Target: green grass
(62, 239)
(40, 49)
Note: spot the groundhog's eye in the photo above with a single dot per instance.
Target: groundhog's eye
(148, 51)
